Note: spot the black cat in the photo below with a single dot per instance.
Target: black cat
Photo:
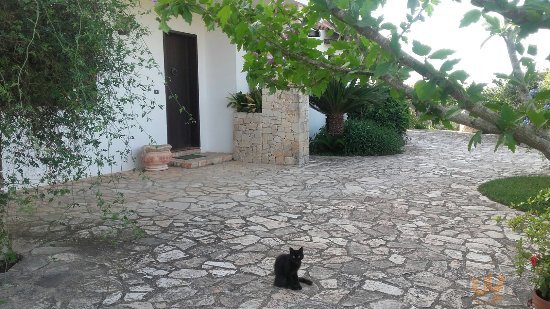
(286, 270)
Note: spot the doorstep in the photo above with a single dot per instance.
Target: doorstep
(197, 159)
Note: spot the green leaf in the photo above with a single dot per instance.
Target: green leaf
(508, 117)
(241, 29)
(520, 48)
(537, 118)
(448, 65)
(470, 17)
(382, 69)
(412, 5)
(394, 43)
(163, 25)
(224, 14)
(452, 111)
(475, 91)
(459, 75)
(447, 124)
(474, 140)
(370, 59)
(420, 49)
(507, 139)
(424, 90)
(494, 23)
(395, 94)
(532, 50)
(186, 14)
(441, 54)
(543, 95)
(388, 26)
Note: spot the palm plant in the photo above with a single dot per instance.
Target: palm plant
(246, 102)
(340, 98)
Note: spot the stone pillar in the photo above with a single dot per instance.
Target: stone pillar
(278, 135)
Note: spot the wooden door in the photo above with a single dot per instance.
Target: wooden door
(182, 90)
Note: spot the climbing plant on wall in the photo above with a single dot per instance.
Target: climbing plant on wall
(70, 87)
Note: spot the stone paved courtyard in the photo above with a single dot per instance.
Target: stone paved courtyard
(404, 231)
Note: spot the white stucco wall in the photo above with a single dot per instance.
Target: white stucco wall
(218, 77)
(242, 84)
(220, 74)
(316, 121)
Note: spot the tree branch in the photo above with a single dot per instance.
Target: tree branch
(520, 15)
(525, 133)
(461, 118)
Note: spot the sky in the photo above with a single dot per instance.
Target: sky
(441, 30)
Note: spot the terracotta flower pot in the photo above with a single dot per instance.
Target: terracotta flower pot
(538, 302)
(156, 157)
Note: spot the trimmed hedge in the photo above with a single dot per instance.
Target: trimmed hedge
(360, 138)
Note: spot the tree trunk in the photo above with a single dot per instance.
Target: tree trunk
(335, 124)
(522, 89)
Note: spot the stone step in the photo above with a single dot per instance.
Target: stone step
(194, 160)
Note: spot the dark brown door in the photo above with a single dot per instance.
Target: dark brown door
(182, 90)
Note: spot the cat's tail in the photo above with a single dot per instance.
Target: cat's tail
(306, 281)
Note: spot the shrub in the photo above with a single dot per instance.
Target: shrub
(246, 102)
(368, 138)
(389, 113)
(360, 138)
(535, 253)
(535, 227)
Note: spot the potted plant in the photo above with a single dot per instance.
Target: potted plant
(156, 157)
(534, 247)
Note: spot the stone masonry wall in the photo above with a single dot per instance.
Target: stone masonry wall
(278, 135)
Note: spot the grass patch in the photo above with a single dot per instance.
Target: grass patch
(514, 190)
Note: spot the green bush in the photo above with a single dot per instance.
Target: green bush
(360, 138)
(368, 138)
(389, 113)
(533, 249)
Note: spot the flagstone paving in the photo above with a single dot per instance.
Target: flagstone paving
(404, 231)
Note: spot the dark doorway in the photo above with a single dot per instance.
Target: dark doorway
(182, 90)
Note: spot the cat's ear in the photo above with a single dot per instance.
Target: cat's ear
(291, 250)
(301, 249)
